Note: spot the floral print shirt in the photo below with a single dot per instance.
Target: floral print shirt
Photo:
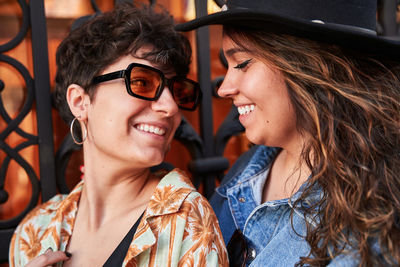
(178, 228)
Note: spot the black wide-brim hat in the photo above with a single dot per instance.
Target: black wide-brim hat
(347, 23)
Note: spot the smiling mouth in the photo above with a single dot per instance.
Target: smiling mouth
(245, 109)
(150, 129)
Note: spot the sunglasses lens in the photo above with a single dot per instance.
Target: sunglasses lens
(145, 82)
(237, 250)
(186, 93)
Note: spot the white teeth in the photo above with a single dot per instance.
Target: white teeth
(150, 129)
(245, 109)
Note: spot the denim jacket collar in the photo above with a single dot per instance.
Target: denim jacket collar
(260, 160)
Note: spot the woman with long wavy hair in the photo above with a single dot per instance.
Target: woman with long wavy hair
(319, 95)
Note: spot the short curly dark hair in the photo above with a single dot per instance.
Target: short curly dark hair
(102, 40)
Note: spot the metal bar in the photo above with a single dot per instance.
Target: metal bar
(43, 98)
(6, 235)
(206, 113)
(204, 76)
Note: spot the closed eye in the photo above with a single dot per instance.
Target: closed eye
(243, 64)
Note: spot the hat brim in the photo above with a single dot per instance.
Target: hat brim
(350, 37)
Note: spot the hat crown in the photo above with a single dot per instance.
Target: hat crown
(355, 13)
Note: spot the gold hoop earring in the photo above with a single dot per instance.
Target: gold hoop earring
(72, 132)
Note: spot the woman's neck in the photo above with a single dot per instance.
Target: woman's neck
(108, 193)
(287, 173)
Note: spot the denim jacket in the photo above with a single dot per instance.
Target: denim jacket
(267, 227)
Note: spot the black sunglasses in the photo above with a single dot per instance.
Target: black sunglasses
(148, 83)
(237, 250)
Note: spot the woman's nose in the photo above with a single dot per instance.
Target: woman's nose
(228, 87)
(165, 103)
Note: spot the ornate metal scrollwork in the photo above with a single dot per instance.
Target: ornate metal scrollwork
(36, 88)
(13, 153)
(13, 124)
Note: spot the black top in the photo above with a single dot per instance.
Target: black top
(118, 256)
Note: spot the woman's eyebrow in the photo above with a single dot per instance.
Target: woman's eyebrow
(230, 52)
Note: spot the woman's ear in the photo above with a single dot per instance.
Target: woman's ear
(78, 101)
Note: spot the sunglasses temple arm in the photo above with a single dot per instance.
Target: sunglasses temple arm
(109, 76)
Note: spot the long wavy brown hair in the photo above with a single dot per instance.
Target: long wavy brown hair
(348, 104)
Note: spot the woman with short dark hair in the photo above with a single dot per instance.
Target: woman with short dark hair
(120, 80)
